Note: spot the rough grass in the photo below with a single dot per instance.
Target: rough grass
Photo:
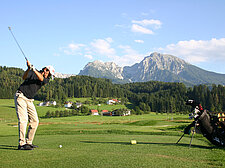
(97, 141)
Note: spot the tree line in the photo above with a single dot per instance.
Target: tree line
(82, 111)
(10, 80)
(161, 97)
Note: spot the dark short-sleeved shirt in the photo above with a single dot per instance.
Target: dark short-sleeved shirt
(31, 85)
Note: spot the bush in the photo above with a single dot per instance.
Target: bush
(67, 113)
(85, 110)
(47, 115)
(56, 113)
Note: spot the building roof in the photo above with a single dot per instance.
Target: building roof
(68, 102)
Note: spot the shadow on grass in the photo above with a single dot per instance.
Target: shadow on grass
(9, 106)
(8, 147)
(152, 143)
(122, 143)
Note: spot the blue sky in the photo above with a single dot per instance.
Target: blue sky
(69, 33)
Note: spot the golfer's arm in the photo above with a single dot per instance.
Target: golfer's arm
(26, 74)
(39, 75)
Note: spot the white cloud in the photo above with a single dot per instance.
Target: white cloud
(140, 29)
(109, 39)
(129, 56)
(142, 26)
(102, 46)
(154, 23)
(102, 49)
(72, 49)
(96, 47)
(139, 41)
(198, 51)
(88, 56)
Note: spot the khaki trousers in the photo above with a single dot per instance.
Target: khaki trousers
(26, 111)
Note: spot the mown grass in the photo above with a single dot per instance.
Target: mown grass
(144, 123)
(101, 141)
(98, 150)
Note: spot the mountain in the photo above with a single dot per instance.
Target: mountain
(156, 67)
(109, 70)
(60, 75)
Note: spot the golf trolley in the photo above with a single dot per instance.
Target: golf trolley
(206, 124)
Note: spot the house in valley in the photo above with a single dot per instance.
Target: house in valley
(94, 112)
(48, 103)
(68, 104)
(107, 113)
(78, 105)
(113, 101)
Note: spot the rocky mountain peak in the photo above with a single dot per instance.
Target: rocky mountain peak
(103, 68)
(60, 75)
(105, 65)
(157, 67)
(163, 62)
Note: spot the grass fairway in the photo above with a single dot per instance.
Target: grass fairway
(96, 141)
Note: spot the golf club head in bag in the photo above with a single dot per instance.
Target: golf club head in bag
(196, 108)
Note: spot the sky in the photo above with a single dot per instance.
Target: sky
(70, 33)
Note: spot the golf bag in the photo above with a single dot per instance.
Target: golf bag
(205, 123)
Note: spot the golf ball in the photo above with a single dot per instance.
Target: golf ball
(133, 142)
(60, 146)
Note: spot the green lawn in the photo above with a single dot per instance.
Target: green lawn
(103, 141)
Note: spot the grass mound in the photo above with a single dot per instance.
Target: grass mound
(143, 123)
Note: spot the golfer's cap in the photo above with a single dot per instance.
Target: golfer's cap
(51, 69)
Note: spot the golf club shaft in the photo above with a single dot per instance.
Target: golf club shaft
(17, 43)
(192, 134)
(180, 139)
(191, 139)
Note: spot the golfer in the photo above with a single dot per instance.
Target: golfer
(25, 109)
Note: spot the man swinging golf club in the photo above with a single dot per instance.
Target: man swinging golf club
(25, 109)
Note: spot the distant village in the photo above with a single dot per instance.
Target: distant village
(94, 112)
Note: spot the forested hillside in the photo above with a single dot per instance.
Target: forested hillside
(171, 97)
(146, 96)
(10, 80)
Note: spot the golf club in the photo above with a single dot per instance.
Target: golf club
(180, 139)
(17, 43)
(193, 134)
